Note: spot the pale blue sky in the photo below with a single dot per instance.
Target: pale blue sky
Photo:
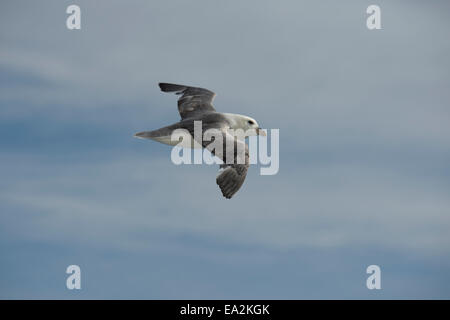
(364, 150)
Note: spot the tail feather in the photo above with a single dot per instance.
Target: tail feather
(147, 134)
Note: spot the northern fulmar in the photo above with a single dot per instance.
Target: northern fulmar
(195, 104)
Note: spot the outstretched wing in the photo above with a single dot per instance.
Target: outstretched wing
(236, 163)
(193, 101)
(231, 179)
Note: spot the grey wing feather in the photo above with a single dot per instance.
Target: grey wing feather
(193, 100)
(231, 179)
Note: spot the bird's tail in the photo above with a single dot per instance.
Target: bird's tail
(147, 134)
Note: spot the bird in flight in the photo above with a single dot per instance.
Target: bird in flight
(195, 104)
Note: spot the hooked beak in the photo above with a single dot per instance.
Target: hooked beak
(260, 132)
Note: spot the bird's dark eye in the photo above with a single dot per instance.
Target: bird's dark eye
(250, 122)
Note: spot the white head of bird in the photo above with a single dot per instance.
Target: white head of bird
(249, 125)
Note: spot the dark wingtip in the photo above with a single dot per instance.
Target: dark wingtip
(170, 87)
(162, 86)
(226, 187)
